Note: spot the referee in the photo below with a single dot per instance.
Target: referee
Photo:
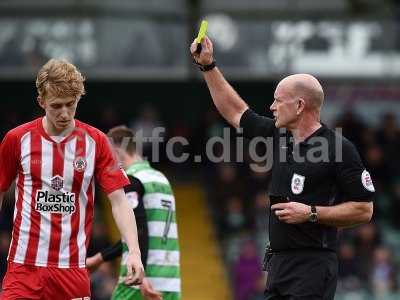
(318, 185)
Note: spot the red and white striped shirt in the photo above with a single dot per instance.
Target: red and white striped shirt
(54, 193)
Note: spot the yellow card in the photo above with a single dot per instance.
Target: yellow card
(202, 31)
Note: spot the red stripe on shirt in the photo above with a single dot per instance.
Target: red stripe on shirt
(89, 214)
(80, 153)
(36, 173)
(18, 208)
(56, 219)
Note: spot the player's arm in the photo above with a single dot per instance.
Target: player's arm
(134, 193)
(226, 99)
(125, 219)
(112, 180)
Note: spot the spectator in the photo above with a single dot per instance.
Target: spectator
(348, 268)
(384, 273)
(144, 127)
(235, 219)
(247, 273)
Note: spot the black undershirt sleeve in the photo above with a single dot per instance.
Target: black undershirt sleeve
(112, 252)
(134, 193)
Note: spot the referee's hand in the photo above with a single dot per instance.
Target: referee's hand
(205, 57)
(292, 212)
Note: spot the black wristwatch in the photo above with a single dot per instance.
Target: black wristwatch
(205, 68)
(313, 217)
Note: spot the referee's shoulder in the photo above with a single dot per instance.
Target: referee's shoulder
(342, 143)
(341, 138)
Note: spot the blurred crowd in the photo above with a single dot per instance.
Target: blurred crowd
(368, 255)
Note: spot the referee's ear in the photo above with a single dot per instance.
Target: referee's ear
(301, 104)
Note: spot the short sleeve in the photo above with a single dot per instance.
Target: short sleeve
(109, 175)
(355, 182)
(255, 125)
(8, 161)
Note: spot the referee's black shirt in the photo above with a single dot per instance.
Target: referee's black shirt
(323, 170)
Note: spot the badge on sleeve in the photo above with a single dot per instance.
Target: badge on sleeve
(367, 181)
(133, 199)
(297, 183)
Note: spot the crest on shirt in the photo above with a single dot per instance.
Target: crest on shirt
(57, 183)
(297, 183)
(80, 164)
(367, 181)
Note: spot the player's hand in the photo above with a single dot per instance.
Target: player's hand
(292, 212)
(93, 262)
(148, 292)
(205, 57)
(135, 270)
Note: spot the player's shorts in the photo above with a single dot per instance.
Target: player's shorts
(123, 292)
(45, 283)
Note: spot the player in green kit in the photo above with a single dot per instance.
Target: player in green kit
(150, 195)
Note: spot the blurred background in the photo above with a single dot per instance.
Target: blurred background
(135, 56)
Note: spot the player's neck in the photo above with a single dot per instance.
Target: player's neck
(51, 130)
(130, 160)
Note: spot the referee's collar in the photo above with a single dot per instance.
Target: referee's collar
(308, 140)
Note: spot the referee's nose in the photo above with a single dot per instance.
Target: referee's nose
(273, 106)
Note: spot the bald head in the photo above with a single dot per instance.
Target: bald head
(304, 86)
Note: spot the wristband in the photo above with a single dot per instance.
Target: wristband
(205, 68)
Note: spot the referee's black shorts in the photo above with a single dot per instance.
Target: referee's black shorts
(302, 275)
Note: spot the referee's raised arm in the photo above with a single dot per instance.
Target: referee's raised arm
(226, 99)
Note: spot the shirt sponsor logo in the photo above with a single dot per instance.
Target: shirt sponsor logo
(62, 203)
(297, 183)
(80, 164)
(57, 183)
(367, 181)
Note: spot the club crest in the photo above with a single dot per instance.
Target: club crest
(80, 164)
(297, 183)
